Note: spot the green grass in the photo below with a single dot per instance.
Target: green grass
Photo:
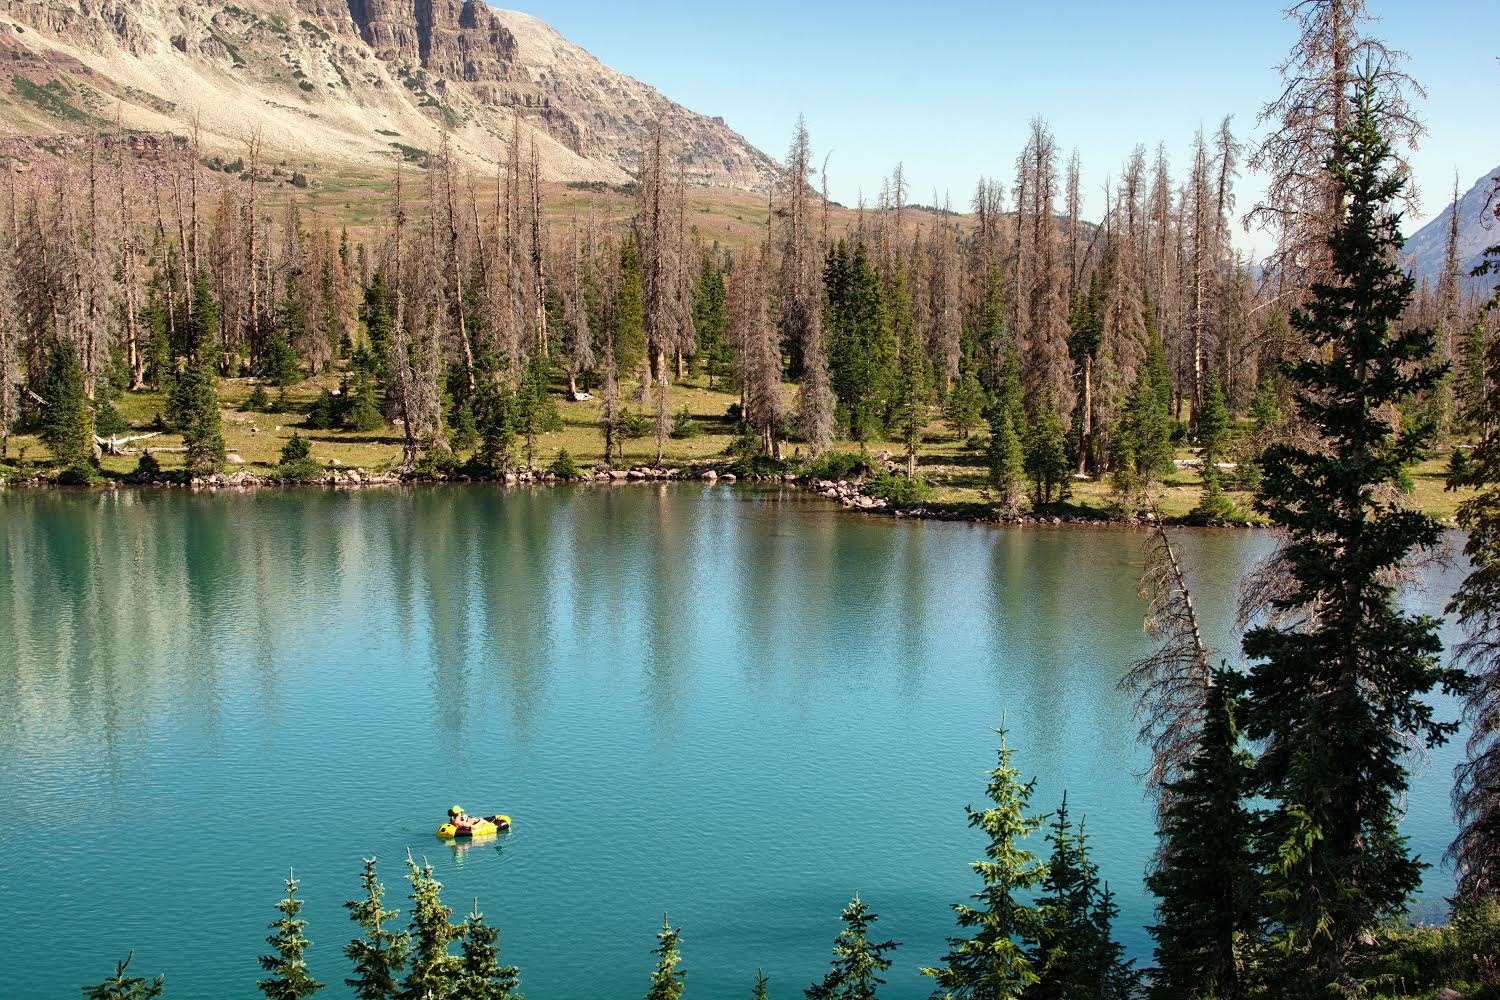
(956, 472)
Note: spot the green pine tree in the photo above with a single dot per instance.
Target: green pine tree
(535, 409)
(1205, 877)
(1073, 952)
(667, 978)
(1264, 409)
(711, 319)
(279, 363)
(857, 961)
(67, 425)
(194, 399)
(913, 387)
(990, 963)
(379, 954)
(1047, 454)
(1213, 441)
(965, 405)
(376, 313)
(123, 987)
(1007, 460)
(432, 970)
(758, 991)
(1330, 695)
(289, 978)
(481, 976)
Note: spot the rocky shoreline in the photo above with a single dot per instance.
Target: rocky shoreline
(850, 494)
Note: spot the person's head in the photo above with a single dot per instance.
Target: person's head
(456, 812)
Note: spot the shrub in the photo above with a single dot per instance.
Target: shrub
(148, 467)
(900, 489)
(838, 465)
(324, 415)
(258, 401)
(107, 419)
(80, 473)
(684, 426)
(297, 463)
(563, 466)
(635, 425)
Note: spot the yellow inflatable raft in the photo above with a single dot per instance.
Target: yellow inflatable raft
(460, 824)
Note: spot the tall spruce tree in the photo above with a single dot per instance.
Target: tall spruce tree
(1007, 460)
(67, 425)
(1047, 453)
(857, 961)
(1342, 673)
(990, 963)
(287, 964)
(1213, 439)
(379, 953)
(1073, 952)
(667, 978)
(480, 974)
(432, 970)
(1205, 878)
(758, 991)
(194, 398)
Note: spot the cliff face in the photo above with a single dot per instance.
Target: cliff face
(352, 80)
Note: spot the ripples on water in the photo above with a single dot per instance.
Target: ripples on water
(736, 706)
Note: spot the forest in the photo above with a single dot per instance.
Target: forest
(1060, 352)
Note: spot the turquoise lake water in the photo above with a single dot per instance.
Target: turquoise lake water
(737, 707)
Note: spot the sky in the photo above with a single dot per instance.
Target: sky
(948, 88)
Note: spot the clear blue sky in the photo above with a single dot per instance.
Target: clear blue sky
(948, 88)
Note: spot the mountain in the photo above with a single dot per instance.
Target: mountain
(348, 81)
(1427, 248)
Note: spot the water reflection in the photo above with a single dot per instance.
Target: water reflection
(718, 702)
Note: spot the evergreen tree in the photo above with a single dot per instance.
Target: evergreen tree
(123, 987)
(1213, 439)
(990, 964)
(1046, 453)
(1009, 393)
(666, 980)
(758, 991)
(279, 362)
(857, 961)
(481, 976)
(497, 427)
(1007, 461)
(1332, 690)
(863, 351)
(1149, 426)
(194, 399)
(1206, 878)
(379, 954)
(913, 386)
(1264, 409)
(377, 316)
(535, 409)
(432, 970)
(1073, 953)
(363, 413)
(965, 405)
(287, 965)
(67, 426)
(711, 319)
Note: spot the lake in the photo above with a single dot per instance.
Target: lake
(732, 705)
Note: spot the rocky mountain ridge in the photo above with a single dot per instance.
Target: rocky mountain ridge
(355, 81)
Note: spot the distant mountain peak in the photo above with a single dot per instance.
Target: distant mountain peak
(1427, 248)
(357, 81)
